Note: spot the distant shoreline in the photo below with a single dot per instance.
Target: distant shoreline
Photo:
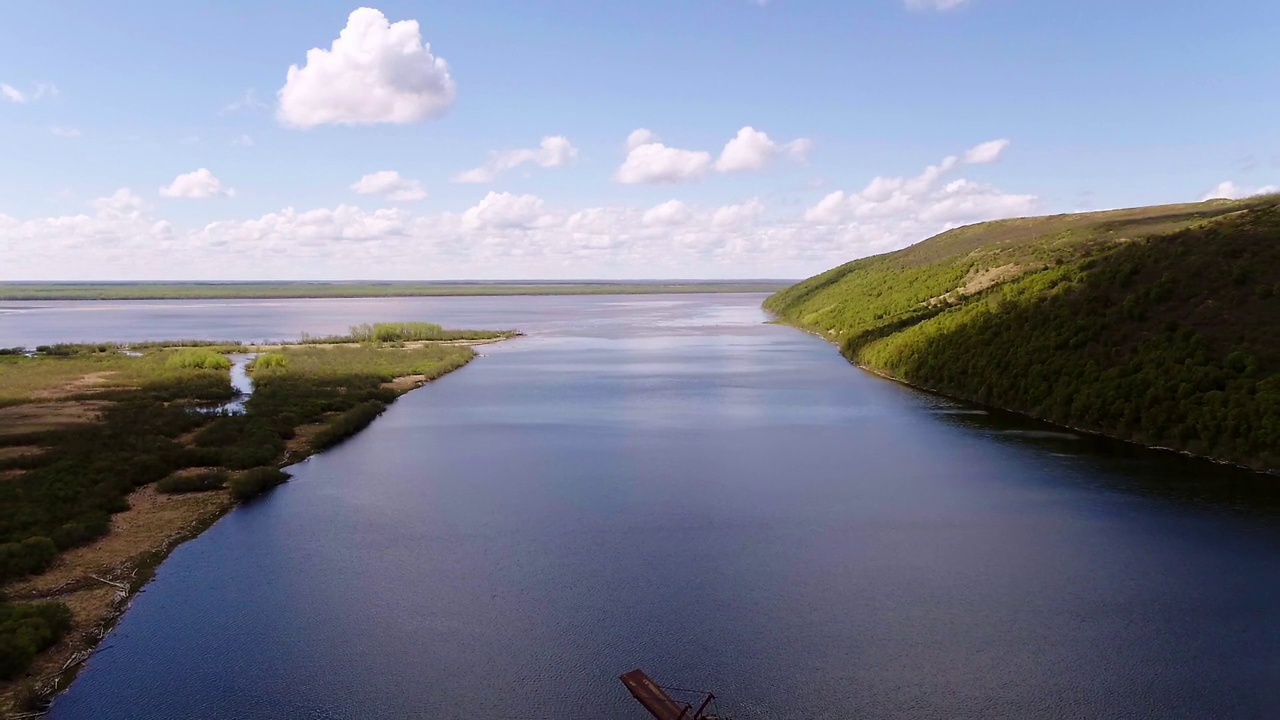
(25, 291)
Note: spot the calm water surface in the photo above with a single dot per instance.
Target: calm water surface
(667, 482)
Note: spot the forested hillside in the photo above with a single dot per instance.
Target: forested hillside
(1158, 325)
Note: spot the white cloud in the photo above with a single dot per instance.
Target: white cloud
(64, 132)
(505, 211)
(506, 236)
(916, 207)
(196, 185)
(641, 136)
(376, 71)
(752, 149)
(291, 232)
(554, 151)
(391, 185)
(1225, 190)
(1228, 190)
(123, 203)
(243, 141)
(799, 149)
(12, 94)
(649, 161)
(671, 212)
(987, 152)
(738, 215)
(935, 4)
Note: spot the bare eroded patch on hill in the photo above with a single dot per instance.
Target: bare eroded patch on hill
(981, 280)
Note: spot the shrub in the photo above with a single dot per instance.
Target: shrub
(26, 630)
(405, 332)
(28, 557)
(252, 483)
(88, 527)
(197, 359)
(269, 361)
(199, 482)
(347, 424)
(244, 441)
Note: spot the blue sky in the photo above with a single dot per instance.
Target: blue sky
(166, 141)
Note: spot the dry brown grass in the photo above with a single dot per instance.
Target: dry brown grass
(41, 417)
(406, 382)
(300, 445)
(77, 386)
(17, 451)
(151, 521)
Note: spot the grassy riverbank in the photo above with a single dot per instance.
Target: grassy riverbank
(1156, 325)
(105, 465)
(273, 290)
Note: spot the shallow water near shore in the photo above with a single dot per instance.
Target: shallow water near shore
(670, 483)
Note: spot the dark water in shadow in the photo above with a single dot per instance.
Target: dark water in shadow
(671, 484)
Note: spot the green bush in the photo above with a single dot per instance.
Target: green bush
(252, 483)
(26, 629)
(243, 441)
(198, 359)
(28, 557)
(406, 332)
(199, 482)
(347, 424)
(269, 361)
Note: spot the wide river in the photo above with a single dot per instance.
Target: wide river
(670, 483)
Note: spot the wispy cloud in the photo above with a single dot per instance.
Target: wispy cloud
(554, 151)
(39, 91)
(939, 5)
(248, 100)
(1228, 190)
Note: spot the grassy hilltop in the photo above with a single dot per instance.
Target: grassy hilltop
(1158, 325)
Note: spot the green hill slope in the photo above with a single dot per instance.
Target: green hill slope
(1158, 325)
